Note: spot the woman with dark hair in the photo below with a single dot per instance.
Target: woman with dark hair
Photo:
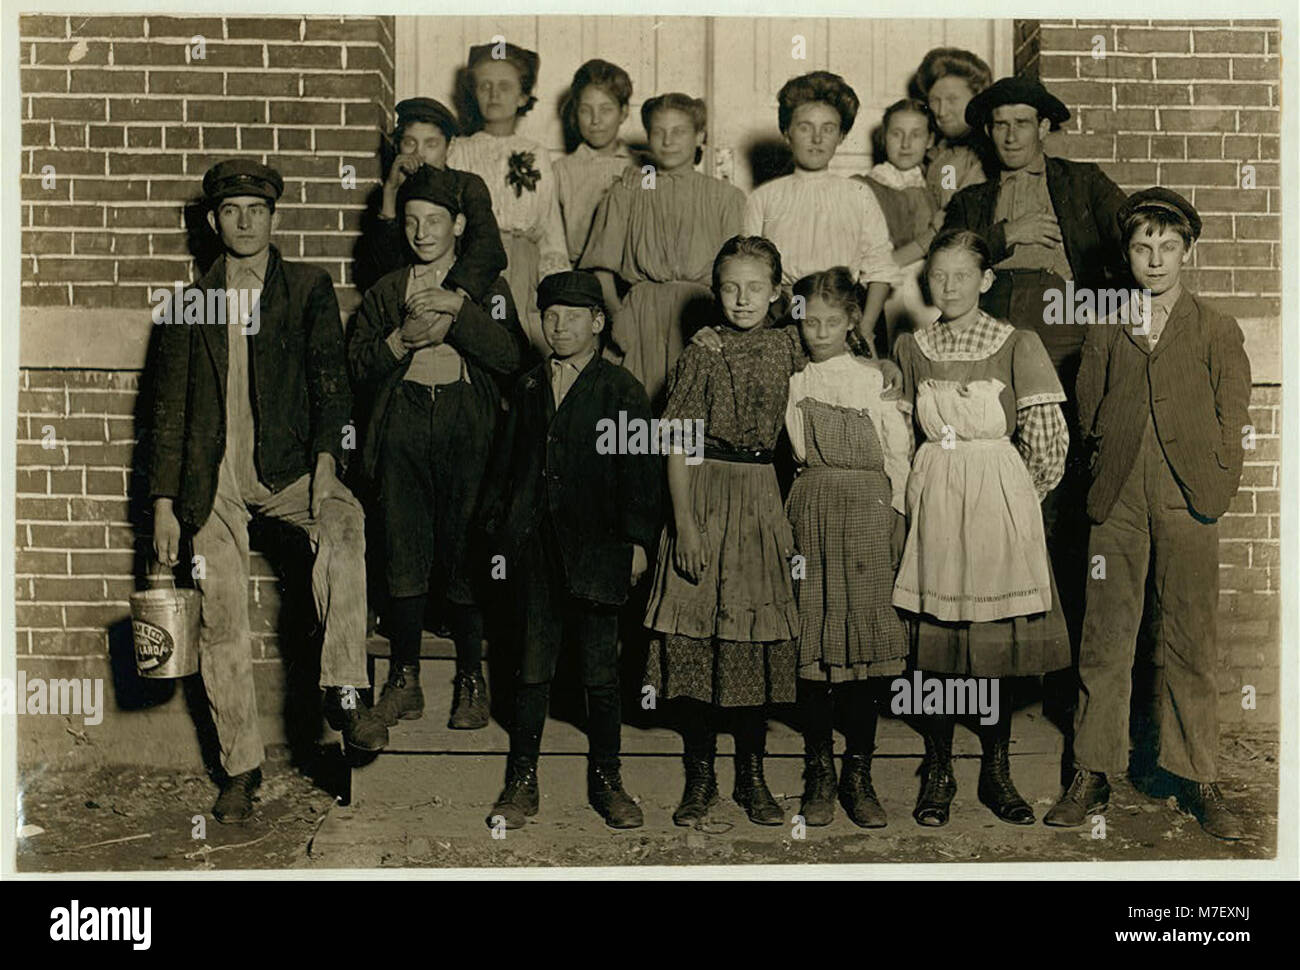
(975, 576)
(596, 107)
(947, 79)
(497, 90)
(658, 231)
(819, 219)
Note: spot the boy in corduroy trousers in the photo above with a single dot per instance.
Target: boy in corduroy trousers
(1163, 396)
(573, 519)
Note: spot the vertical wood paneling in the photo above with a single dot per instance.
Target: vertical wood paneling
(739, 65)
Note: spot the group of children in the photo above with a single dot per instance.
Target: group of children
(519, 304)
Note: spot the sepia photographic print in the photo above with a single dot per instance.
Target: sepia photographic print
(597, 441)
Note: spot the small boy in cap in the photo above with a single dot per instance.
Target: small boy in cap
(573, 517)
(249, 419)
(422, 135)
(1163, 393)
(434, 363)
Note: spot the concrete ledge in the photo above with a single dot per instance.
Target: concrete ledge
(77, 338)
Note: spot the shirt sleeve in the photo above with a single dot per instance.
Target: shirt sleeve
(1043, 439)
(875, 257)
(553, 248)
(607, 241)
(896, 443)
(688, 387)
(1033, 378)
(794, 418)
(752, 222)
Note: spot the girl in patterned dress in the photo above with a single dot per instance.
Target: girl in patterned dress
(497, 91)
(846, 508)
(975, 574)
(658, 233)
(722, 600)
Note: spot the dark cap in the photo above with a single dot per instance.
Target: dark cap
(1015, 90)
(1161, 198)
(432, 185)
(429, 111)
(527, 61)
(571, 288)
(242, 176)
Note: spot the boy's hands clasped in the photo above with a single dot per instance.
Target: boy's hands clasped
(429, 316)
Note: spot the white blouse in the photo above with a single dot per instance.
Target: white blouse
(532, 212)
(849, 381)
(819, 220)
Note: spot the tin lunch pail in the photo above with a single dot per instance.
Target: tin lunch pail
(165, 621)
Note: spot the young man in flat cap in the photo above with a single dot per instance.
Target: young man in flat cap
(1048, 221)
(574, 520)
(1163, 394)
(423, 132)
(250, 418)
(436, 364)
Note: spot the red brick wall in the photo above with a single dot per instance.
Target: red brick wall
(1187, 104)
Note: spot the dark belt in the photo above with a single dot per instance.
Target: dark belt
(744, 456)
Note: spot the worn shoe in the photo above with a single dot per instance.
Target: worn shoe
(1206, 802)
(235, 803)
(817, 806)
(518, 800)
(1088, 794)
(362, 728)
(996, 789)
(469, 707)
(402, 698)
(606, 794)
(700, 794)
(858, 795)
(751, 791)
(938, 786)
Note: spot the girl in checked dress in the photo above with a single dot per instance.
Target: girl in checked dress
(975, 575)
(846, 507)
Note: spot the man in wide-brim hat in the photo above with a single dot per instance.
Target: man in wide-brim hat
(1049, 222)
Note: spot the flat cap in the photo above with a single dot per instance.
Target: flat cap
(430, 111)
(570, 288)
(1161, 198)
(1015, 90)
(242, 176)
(432, 185)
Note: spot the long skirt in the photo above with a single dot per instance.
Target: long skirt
(730, 638)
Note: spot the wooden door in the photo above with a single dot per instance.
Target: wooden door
(737, 64)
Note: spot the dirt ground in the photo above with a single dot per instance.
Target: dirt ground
(132, 819)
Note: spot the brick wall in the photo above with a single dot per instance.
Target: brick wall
(129, 116)
(1189, 104)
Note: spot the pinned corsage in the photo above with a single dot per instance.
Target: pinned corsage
(523, 172)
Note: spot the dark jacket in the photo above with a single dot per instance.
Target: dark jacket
(1196, 386)
(1086, 203)
(301, 399)
(492, 347)
(480, 256)
(547, 462)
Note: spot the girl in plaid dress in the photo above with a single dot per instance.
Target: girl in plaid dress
(846, 508)
(975, 574)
